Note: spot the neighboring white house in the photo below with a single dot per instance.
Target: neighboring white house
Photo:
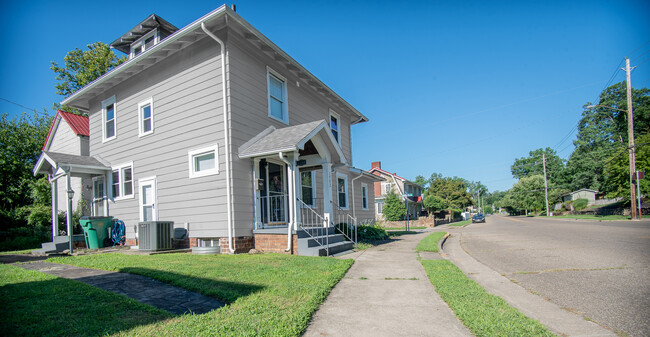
(583, 193)
(217, 129)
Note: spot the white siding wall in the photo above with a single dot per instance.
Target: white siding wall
(248, 100)
(187, 113)
(66, 141)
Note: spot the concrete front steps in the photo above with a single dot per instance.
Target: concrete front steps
(308, 243)
(59, 244)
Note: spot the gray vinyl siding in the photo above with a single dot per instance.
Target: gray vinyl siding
(65, 140)
(187, 115)
(249, 112)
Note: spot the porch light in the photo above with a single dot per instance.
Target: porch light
(70, 194)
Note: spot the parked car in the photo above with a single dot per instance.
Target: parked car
(478, 218)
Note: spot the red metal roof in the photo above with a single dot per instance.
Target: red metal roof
(78, 124)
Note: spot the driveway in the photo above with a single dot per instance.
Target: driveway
(600, 270)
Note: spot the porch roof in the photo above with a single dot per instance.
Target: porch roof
(51, 162)
(289, 139)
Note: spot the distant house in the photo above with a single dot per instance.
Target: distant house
(214, 127)
(583, 193)
(407, 191)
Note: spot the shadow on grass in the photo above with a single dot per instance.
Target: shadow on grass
(38, 304)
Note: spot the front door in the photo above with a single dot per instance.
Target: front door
(273, 194)
(148, 205)
(99, 194)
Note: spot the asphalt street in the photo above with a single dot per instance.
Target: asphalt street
(600, 270)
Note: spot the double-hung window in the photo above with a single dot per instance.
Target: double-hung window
(334, 126)
(342, 190)
(145, 117)
(144, 43)
(122, 181)
(364, 196)
(387, 188)
(203, 162)
(277, 100)
(307, 183)
(109, 123)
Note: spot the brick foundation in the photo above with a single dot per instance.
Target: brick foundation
(275, 243)
(131, 242)
(241, 244)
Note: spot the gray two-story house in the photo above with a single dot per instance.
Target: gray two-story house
(217, 129)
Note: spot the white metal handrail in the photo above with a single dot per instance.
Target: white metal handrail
(310, 225)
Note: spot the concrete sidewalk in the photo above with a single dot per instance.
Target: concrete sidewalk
(143, 289)
(559, 321)
(386, 293)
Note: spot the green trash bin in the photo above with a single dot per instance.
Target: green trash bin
(95, 230)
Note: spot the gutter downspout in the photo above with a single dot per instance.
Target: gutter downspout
(354, 209)
(291, 197)
(226, 129)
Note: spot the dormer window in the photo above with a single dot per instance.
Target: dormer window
(144, 43)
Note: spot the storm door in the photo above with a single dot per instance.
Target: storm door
(273, 194)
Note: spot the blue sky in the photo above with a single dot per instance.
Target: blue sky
(460, 88)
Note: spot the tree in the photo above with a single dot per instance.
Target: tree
(602, 132)
(528, 194)
(617, 169)
(534, 165)
(452, 190)
(394, 209)
(434, 203)
(421, 181)
(476, 190)
(21, 140)
(82, 67)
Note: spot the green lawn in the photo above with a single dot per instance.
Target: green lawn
(267, 294)
(390, 229)
(37, 304)
(460, 223)
(593, 217)
(483, 313)
(430, 243)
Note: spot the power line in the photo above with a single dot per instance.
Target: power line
(639, 47)
(638, 57)
(22, 106)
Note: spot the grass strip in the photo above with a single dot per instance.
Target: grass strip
(484, 314)
(267, 294)
(430, 243)
(37, 304)
(403, 228)
(593, 217)
(460, 223)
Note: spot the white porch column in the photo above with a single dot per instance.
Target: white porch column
(327, 190)
(55, 207)
(256, 195)
(297, 185)
(291, 184)
(68, 188)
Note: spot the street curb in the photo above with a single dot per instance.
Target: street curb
(442, 242)
(551, 315)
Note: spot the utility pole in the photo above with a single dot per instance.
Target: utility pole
(545, 183)
(630, 133)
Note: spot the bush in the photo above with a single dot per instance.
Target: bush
(371, 233)
(580, 204)
(394, 209)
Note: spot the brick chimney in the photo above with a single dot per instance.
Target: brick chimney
(375, 164)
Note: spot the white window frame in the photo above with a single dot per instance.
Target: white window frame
(285, 96)
(364, 195)
(105, 104)
(383, 188)
(380, 206)
(347, 199)
(205, 150)
(141, 132)
(313, 189)
(120, 169)
(338, 125)
(139, 43)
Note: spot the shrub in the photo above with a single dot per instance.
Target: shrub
(580, 204)
(371, 233)
(394, 209)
